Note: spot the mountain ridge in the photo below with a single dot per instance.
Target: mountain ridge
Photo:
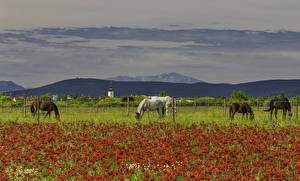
(9, 86)
(99, 87)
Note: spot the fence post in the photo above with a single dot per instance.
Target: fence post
(38, 109)
(24, 102)
(296, 110)
(225, 107)
(97, 106)
(127, 106)
(207, 105)
(173, 109)
(66, 105)
(103, 105)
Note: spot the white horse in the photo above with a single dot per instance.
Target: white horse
(167, 100)
(150, 104)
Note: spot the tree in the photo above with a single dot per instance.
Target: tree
(3, 93)
(282, 96)
(238, 96)
(162, 94)
(46, 97)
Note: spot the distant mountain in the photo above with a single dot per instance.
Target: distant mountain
(166, 77)
(9, 86)
(96, 87)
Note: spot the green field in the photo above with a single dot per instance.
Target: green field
(184, 115)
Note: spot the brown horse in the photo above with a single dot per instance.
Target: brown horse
(283, 104)
(45, 106)
(243, 108)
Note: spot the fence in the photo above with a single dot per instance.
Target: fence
(130, 106)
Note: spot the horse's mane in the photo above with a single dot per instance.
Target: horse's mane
(141, 105)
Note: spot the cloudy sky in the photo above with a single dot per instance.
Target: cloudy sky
(42, 42)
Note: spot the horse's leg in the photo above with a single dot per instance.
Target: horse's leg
(166, 109)
(276, 113)
(158, 111)
(232, 117)
(46, 115)
(163, 112)
(271, 113)
(284, 114)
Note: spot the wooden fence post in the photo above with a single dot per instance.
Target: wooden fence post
(207, 103)
(173, 109)
(38, 109)
(127, 106)
(225, 107)
(97, 106)
(103, 105)
(296, 110)
(66, 105)
(24, 102)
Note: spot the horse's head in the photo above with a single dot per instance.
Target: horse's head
(251, 116)
(57, 117)
(137, 115)
(290, 114)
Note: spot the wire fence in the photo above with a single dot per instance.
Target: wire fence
(129, 107)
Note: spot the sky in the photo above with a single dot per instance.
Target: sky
(42, 42)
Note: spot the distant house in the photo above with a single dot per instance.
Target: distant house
(16, 99)
(54, 98)
(30, 99)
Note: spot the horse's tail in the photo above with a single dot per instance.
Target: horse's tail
(32, 109)
(57, 117)
(270, 105)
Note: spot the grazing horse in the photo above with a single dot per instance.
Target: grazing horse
(243, 108)
(167, 100)
(283, 104)
(45, 106)
(150, 104)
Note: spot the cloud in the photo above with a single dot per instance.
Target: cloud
(40, 56)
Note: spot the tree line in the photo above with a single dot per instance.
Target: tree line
(75, 100)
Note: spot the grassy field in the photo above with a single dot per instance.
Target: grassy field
(202, 144)
(184, 115)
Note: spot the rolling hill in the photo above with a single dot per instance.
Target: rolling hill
(98, 87)
(9, 86)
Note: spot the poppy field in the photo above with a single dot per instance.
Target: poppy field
(157, 150)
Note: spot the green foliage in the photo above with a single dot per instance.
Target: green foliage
(63, 97)
(163, 93)
(46, 97)
(281, 96)
(3, 93)
(238, 96)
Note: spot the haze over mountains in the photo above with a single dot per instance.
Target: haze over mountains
(166, 77)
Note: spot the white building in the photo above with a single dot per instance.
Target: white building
(110, 92)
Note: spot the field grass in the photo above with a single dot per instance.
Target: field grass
(202, 144)
(184, 115)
